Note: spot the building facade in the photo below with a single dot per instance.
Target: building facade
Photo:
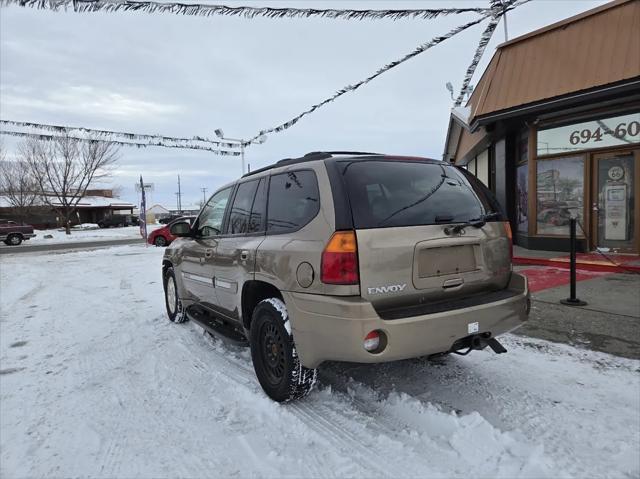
(96, 205)
(553, 128)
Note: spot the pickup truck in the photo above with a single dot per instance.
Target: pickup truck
(13, 233)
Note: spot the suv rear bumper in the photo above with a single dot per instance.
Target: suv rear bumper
(332, 328)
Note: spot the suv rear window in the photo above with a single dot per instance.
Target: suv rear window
(385, 193)
(294, 200)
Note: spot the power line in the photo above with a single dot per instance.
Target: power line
(51, 132)
(203, 10)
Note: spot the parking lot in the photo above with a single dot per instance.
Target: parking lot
(95, 381)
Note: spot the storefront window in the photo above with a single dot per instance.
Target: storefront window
(560, 194)
(522, 199)
(617, 131)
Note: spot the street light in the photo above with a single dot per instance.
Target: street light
(258, 141)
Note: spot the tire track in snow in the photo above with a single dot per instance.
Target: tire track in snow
(348, 440)
(338, 430)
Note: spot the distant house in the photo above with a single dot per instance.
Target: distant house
(192, 209)
(159, 211)
(96, 205)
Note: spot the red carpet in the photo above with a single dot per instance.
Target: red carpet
(616, 263)
(547, 277)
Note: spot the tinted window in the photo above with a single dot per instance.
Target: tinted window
(212, 215)
(403, 193)
(293, 201)
(256, 222)
(241, 209)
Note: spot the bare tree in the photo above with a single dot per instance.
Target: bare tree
(17, 184)
(116, 191)
(64, 168)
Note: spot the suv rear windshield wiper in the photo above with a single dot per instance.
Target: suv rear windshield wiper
(476, 223)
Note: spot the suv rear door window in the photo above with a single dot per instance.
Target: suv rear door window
(256, 222)
(241, 209)
(409, 193)
(294, 200)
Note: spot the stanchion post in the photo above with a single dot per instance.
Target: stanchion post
(572, 300)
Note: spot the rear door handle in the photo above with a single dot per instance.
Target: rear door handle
(453, 283)
(244, 255)
(208, 253)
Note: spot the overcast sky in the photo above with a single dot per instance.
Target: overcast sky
(185, 76)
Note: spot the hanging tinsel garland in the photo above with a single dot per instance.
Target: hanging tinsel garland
(203, 10)
(496, 12)
(165, 142)
(59, 129)
(497, 6)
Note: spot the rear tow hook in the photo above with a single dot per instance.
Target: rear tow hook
(478, 342)
(494, 344)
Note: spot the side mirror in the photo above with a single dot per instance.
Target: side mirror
(181, 229)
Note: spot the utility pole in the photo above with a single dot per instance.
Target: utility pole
(204, 195)
(179, 197)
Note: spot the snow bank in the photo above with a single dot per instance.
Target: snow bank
(96, 382)
(89, 232)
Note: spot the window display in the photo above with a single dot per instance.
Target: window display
(560, 194)
(615, 202)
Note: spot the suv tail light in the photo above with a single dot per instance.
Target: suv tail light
(507, 229)
(340, 259)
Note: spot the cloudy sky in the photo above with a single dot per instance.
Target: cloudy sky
(185, 76)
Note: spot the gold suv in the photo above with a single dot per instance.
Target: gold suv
(347, 256)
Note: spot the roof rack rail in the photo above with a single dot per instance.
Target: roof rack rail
(312, 156)
(350, 153)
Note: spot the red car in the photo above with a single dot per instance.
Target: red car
(162, 236)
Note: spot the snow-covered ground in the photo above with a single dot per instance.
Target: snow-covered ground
(96, 382)
(99, 234)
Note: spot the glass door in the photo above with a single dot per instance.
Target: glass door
(616, 202)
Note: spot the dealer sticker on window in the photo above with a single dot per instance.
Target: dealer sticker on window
(473, 327)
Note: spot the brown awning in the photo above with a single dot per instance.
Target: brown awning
(593, 49)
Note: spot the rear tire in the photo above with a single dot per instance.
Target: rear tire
(273, 352)
(13, 240)
(172, 301)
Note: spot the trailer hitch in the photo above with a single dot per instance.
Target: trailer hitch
(477, 342)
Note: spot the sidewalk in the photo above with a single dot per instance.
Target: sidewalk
(610, 322)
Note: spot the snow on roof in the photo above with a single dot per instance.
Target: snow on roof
(85, 202)
(101, 202)
(462, 114)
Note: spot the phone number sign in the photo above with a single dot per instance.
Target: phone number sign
(618, 131)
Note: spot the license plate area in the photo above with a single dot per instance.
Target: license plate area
(446, 260)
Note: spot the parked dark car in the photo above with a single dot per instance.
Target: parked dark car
(13, 233)
(169, 219)
(118, 221)
(162, 236)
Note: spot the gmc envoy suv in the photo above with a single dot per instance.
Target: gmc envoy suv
(344, 256)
